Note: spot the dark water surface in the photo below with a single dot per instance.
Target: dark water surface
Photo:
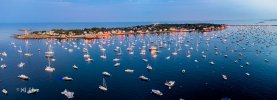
(201, 81)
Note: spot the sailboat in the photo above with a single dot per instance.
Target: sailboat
(86, 55)
(174, 53)
(49, 53)
(119, 53)
(103, 87)
(68, 94)
(143, 51)
(103, 56)
(20, 50)
(28, 54)
(85, 50)
(49, 68)
(21, 64)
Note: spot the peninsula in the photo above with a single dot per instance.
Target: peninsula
(96, 33)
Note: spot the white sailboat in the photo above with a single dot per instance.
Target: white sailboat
(103, 87)
(103, 56)
(49, 68)
(68, 94)
(20, 50)
(21, 64)
(49, 53)
(175, 52)
(119, 53)
(27, 54)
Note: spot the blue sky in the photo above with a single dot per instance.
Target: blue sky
(134, 10)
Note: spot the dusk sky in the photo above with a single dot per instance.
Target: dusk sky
(134, 10)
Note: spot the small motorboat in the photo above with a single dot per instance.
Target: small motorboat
(174, 53)
(4, 54)
(157, 92)
(23, 77)
(149, 67)
(116, 59)
(248, 74)
(70, 50)
(68, 94)
(224, 77)
(85, 50)
(21, 64)
(153, 48)
(188, 56)
(142, 77)
(129, 71)
(3, 66)
(204, 56)
(4, 91)
(131, 52)
(247, 63)
(75, 67)
(167, 58)
(66, 78)
(103, 57)
(49, 69)
(107, 74)
(28, 54)
(116, 64)
(155, 56)
(212, 63)
(89, 59)
(169, 84)
(86, 55)
(183, 71)
(145, 60)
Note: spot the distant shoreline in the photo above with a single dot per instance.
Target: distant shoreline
(96, 33)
